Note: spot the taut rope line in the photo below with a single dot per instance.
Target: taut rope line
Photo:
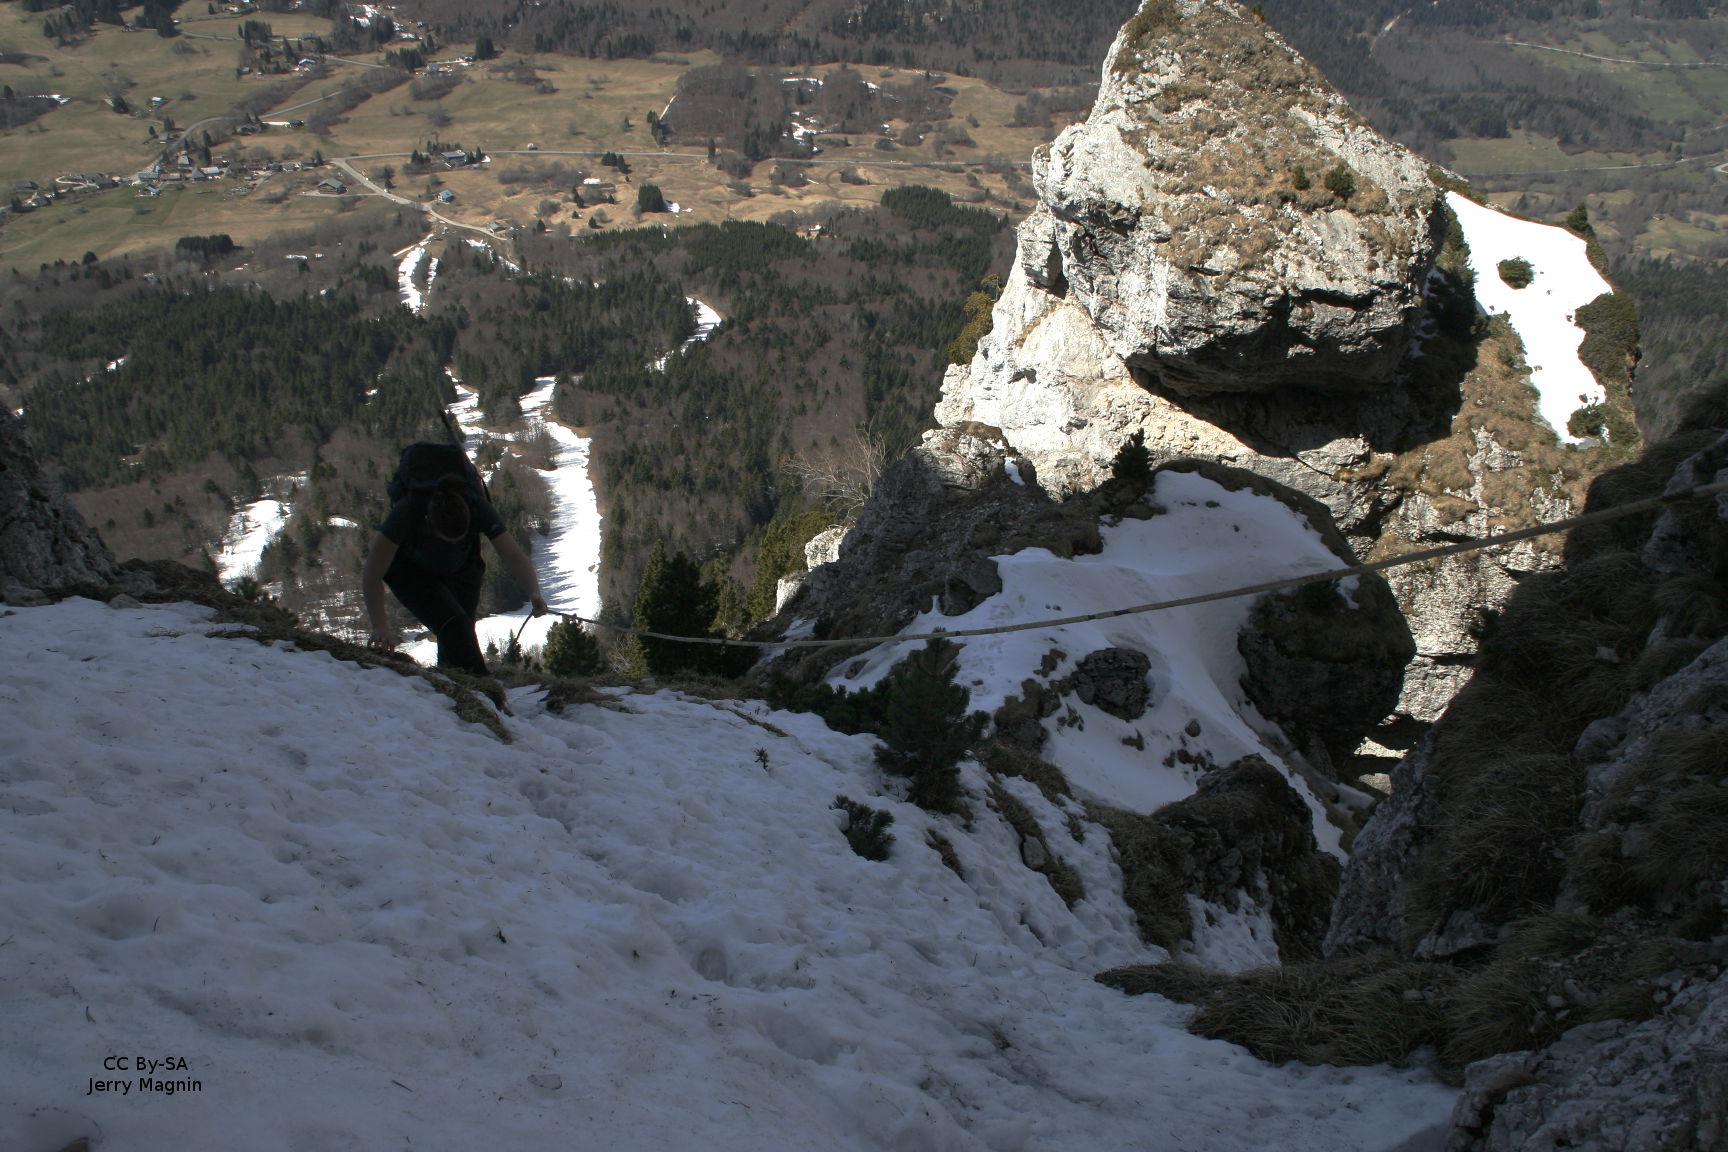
(1606, 514)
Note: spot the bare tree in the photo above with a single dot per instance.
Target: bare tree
(841, 473)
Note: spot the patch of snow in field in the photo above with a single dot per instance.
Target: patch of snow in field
(567, 559)
(250, 531)
(1542, 313)
(363, 923)
(706, 321)
(408, 265)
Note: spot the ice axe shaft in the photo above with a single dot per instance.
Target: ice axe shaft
(518, 637)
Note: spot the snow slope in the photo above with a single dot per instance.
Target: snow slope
(1542, 312)
(362, 923)
(1207, 539)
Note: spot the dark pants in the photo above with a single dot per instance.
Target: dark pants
(447, 604)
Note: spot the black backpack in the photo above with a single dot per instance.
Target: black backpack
(425, 463)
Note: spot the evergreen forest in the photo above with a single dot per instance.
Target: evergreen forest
(167, 394)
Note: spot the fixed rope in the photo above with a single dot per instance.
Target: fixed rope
(1605, 515)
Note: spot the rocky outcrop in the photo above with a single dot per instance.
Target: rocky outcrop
(934, 520)
(44, 544)
(1638, 619)
(1575, 864)
(1325, 666)
(1657, 1086)
(1243, 843)
(1225, 221)
(1114, 679)
(1227, 261)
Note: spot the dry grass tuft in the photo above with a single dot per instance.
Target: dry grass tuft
(1499, 1008)
(1064, 880)
(1694, 604)
(1008, 760)
(1183, 983)
(1154, 881)
(1372, 1009)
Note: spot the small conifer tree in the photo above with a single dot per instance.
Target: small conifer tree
(571, 651)
(1133, 462)
(672, 599)
(866, 828)
(927, 728)
(1516, 271)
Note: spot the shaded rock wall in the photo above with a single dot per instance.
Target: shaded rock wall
(44, 543)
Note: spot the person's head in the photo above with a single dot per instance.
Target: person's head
(447, 511)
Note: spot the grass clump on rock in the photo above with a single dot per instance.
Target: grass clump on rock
(1141, 30)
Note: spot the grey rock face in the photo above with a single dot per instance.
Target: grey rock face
(1175, 281)
(44, 543)
(1373, 893)
(1179, 224)
(927, 533)
(1657, 1086)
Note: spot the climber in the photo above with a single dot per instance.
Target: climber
(427, 552)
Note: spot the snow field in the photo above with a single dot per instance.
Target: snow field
(364, 923)
(251, 529)
(1542, 312)
(1207, 539)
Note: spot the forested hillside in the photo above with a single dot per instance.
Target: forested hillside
(166, 400)
(171, 387)
(1619, 104)
(1032, 41)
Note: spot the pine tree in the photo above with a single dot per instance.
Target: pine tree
(671, 599)
(928, 729)
(1133, 462)
(571, 651)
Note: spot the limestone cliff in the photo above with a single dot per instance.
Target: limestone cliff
(1225, 259)
(1224, 221)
